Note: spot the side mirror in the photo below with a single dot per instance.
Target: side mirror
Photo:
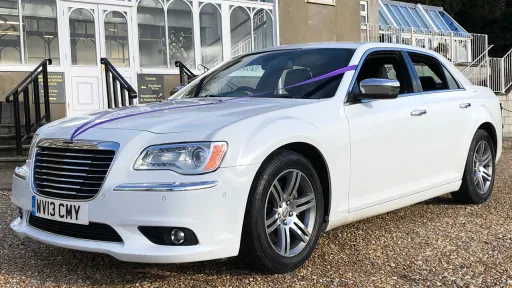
(378, 89)
(175, 89)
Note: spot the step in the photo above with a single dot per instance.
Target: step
(9, 163)
(9, 129)
(10, 139)
(8, 151)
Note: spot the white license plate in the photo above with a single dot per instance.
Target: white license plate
(71, 212)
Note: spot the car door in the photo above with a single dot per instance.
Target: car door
(387, 136)
(451, 118)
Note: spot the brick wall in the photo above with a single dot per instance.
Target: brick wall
(506, 101)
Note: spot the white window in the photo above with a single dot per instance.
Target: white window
(363, 8)
(211, 34)
(151, 21)
(166, 31)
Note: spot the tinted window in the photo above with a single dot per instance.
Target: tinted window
(384, 65)
(452, 83)
(277, 74)
(431, 74)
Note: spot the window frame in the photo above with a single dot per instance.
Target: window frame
(349, 98)
(363, 13)
(443, 67)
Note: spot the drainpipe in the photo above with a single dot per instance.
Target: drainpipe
(276, 23)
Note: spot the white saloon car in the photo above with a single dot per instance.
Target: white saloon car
(260, 155)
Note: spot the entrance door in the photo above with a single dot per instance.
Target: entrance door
(116, 39)
(94, 31)
(83, 71)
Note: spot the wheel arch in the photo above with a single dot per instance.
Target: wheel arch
(317, 159)
(491, 130)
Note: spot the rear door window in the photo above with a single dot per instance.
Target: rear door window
(432, 75)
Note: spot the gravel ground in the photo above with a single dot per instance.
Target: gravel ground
(434, 243)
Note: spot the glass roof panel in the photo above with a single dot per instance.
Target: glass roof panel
(418, 17)
(400, 16)
(438, 26)
(439, 20)
(382, 20)
(454, 26)
(409, 17)
(398, 23)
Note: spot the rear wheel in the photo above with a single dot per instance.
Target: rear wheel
(284, 214)
(479, 173)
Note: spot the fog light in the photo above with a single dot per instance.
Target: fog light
(20, 213)
(177, 236)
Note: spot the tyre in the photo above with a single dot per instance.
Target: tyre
(284, 214)
(479, 173)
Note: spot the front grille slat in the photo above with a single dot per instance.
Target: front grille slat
(69, 180)
(62, 192)
(68, 172)
(73, 161)
(93, 231)
(66, 186)
(72, 154)
(71, 167)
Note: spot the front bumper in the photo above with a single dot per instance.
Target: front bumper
(214, 213)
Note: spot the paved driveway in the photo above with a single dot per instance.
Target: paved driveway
(434, 243)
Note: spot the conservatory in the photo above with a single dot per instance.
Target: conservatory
(142, 38)
(424, 26)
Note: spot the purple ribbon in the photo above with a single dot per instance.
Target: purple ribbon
(87, 125)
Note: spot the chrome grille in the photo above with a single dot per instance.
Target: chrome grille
(71, 170)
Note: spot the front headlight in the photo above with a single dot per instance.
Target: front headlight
(32, 146)
(185, 158)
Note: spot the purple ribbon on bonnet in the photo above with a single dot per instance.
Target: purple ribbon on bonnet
(94, 122)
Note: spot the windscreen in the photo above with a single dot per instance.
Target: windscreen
(294, 73)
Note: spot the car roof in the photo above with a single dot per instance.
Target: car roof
(349, 45)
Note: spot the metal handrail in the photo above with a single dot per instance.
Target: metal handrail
(113, 79)
(118, 75)
(483, 54)
(23, 89)
(29, 76)
(185, 71)
(478, 67)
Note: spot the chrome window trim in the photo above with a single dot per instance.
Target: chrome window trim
(80, 144)
(377, 49)
(165, 187)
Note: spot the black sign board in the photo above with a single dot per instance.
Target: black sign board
(151, 88)
(56, 88)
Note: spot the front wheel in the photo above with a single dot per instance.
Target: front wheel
(479, 173)
(284, 214)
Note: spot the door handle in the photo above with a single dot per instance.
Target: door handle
(416, 113)
(465, 105)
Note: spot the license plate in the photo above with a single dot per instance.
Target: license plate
(71, 212)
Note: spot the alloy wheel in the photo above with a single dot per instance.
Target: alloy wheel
(290, 213)
(483, 167)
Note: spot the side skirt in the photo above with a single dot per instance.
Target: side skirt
(393, 205)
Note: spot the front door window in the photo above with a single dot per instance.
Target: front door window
(116, 39)
(82, 34)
